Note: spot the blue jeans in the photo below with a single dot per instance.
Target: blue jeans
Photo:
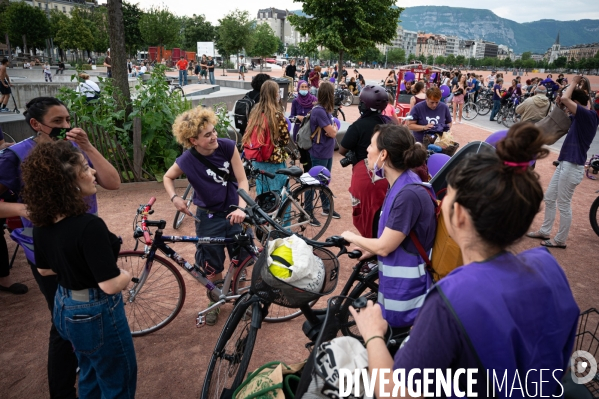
(102, 342)
(327, 163)
(211, 77)
(183, 78)
(496, 108)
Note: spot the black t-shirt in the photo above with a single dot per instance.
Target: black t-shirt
(210, 64)
(80, 249)
(358, 135)
(290, 71)
(254, 95)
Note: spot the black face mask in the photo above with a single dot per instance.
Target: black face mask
(58, 133)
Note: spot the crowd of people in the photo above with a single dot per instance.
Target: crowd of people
(490, 203)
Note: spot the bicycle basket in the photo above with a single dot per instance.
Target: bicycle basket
(274, 290)
(587, 340)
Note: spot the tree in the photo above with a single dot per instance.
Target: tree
(21, 20)
(507, 63)
(429, 60)
(411, 58)
(264, 43)
(74, 33)
(370, 55)
(396, 56)
(159, 27)
(451, 60)
(293, 51)
(472, 62)
(234, 33)
(326, 55)
(460, 60)
(440, 60)
(280, 47)
(197, 29)
(529, 63)
(118, 56)
(131, 16)
(348, 25)
(560, 62)
(56, 19)
(527, 55)
(97, 21)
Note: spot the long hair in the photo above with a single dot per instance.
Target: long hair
(264, 114)
(326, 96)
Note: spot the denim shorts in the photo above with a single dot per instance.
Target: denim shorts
(214, 225)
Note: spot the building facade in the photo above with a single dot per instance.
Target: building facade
(410, 39)
(278, 22)
(429, 44)
(453, 45)
(64, 6)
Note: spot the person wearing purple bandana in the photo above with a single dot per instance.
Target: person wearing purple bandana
(300, 107)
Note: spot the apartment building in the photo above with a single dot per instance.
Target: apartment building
(430, 44)
(64, 6)
(277, 20)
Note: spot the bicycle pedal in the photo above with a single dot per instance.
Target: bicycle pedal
(200, 321)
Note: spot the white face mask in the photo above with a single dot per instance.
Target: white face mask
(376, 172)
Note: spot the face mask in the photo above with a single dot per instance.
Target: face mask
(377, 173)
(303, 92)
(58, 133)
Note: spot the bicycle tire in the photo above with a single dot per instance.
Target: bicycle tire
(348, 99)
(594, 216)
(289, 215)
(188, 198)
(342, 113)
(484, 107)
(507, 119)
(232, 352)
(347, 325)
(178, 92)
(169, 296)
(470, 111)
(241, 284)
(8, 138)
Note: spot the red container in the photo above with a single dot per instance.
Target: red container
(402, 110)
(176, 53)
(152, 53)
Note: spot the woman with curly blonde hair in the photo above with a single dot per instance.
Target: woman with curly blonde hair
(266, 136)
(215, 171)
(78, 250)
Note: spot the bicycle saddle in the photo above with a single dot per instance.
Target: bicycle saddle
(294, 171)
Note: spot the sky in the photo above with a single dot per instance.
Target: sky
(516, 10)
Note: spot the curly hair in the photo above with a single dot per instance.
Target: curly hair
(190, 123)
(50, 189)
(259, 80)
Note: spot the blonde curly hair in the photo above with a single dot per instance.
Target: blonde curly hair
(190, 123)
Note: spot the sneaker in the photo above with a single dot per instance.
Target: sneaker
(212, 316)
(314, 222)
(335, 214)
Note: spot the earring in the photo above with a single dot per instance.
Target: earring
(78, 189)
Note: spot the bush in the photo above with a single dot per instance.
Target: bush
(86, 67)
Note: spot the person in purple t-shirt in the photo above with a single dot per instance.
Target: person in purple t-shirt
(570, 170)
(323, 143)
(403, 280)
(496, 98)
(213, 193)
(431, 116)
(502, 312)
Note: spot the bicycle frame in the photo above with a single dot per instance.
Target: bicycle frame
(243, 240)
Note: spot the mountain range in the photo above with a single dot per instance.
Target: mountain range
(470, 23)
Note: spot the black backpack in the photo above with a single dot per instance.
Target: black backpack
(241, 112)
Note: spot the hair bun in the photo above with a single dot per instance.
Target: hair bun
(523, 143)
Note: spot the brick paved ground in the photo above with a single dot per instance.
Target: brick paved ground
(172, 361)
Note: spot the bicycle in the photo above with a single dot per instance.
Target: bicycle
(8, 138)
(156, 293)
(234, 347)
(594, 215)
(470, 110)
(175, 89)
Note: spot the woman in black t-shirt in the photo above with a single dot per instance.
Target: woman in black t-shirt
(79, 249)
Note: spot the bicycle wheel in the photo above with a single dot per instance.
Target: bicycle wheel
(8, 138)
(470, 111)
(484, 107)
(178, 92)
(160, 298)
(308, 198)
(368, 288)
(188, 198)
(594, 216)
(241, 284)
(233, 351)
(508, 117)
(342, 114)
(348, 99)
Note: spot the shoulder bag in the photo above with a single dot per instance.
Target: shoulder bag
(555, 125)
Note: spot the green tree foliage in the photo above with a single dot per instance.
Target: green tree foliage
(131, 16)
(508, 63)
(347, 26)
(429, 60)
(528, 63)
(197, 29)
(294, 51)
(396, 56)
(370, 55)
(326, 55)
(411, 58)
(74, 32)
(450, 60)
(264, 43)
(460, 60)
(518, 63)
(560, 62)
(421, 58)
(22, 19)
(159, 27)
(97, 22)
(280, 46)
(56, 18)
(440, 60)
(234, 33)
(3, 26)
(527, 55)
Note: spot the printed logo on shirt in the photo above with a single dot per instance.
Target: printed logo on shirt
(434, 121)
(217, 178)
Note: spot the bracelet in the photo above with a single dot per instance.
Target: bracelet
(371, 338)
(173, 197)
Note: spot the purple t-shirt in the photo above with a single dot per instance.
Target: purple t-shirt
(580, 136)
(325, 149)
(210, 190)
(413, 209)
(495, 89)
(423, 115)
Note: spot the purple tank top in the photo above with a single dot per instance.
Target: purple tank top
(211, 192)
